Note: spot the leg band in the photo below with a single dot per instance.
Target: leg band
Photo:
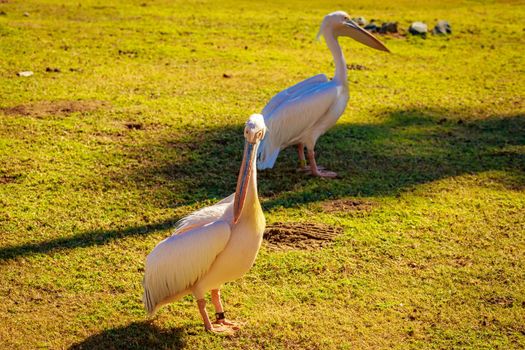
(219, 316)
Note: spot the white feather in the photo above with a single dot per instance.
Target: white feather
(293, 114)
(222, 210)
(292, 91)
(177, 262)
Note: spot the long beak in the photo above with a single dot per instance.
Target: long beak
(357, 33)
(242, 180)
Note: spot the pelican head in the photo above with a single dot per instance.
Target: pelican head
(254, 132)
(255, 129)
(339, 24)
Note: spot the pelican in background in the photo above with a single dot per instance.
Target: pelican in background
(211, 246)
(305, 111)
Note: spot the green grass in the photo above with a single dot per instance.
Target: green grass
(433, 139)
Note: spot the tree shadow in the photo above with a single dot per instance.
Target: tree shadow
(411, 147)
(85, 239)
(136, 335)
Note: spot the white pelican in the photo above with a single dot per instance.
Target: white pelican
(211, 246)
(305, 111)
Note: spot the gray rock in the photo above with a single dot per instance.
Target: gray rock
(388, 27)
(372, 27)
(418, 28)
(442, 27)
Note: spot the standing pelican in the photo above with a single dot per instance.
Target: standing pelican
(305, 111)
(211, 246)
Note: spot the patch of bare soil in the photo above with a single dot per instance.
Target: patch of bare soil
(50, 108)
(9, 178)
(504, 301)
(347, 205)
(354, 66)
(306, 236)
(134, 126)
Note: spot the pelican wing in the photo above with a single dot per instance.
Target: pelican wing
(292, 91)
(222, 210)
(177, 262)
(294, 116)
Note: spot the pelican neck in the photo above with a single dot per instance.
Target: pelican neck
(337, 54)
(251, 201)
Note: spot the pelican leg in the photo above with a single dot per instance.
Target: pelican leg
(207, 324)
(317, 171)
(219, 311)
(302, 159)
(303, 165)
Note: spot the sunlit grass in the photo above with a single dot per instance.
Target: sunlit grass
(433, 141)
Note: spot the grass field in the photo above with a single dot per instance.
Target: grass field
(128, 123)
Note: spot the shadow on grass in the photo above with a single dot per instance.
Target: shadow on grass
(136, 335)
(86, 239)
(409, 148)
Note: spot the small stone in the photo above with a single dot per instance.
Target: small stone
(372, 27)
(26, 73)
(418, 28)
(360, 20)
(388, 27)
(442, 27)
(225, 75)
(26, 14)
